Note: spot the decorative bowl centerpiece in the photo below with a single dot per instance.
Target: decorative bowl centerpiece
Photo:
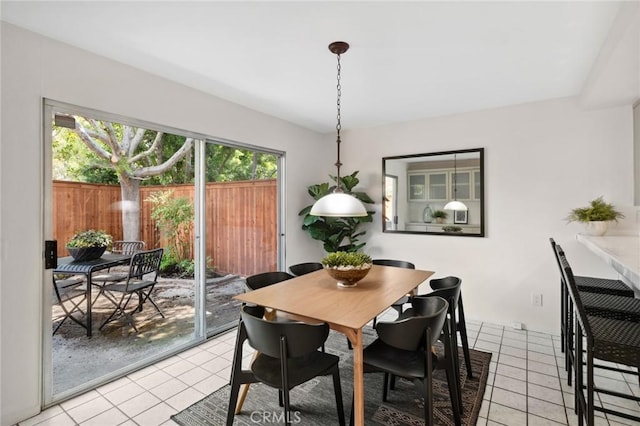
(347, 268)
(88, 245)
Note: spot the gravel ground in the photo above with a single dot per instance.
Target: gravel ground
(78, 359)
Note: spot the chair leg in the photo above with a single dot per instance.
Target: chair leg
(352, 406)
(462, 328)
(563, 316)
(233, 398)
(337, 388)
(453, 371)
(428, 399)
(385, 385)
(287, 407)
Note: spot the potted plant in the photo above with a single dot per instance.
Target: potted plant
(337, 233)
(347, 267)
(452, 228)
(440, 216)
(89, 245)
(596, 216)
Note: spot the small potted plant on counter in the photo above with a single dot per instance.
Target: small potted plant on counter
(440, 216)
(347, 267)
(596, 216)
(89, 245)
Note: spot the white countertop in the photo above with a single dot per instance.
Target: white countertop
(622, 252)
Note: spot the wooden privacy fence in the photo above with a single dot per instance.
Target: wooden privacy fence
(240, 219)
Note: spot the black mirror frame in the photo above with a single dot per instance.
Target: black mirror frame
(480, 151)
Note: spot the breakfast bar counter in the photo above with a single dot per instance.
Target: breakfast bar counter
(621, 252)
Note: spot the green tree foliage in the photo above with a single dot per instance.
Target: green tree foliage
(228, 164)
(174, 218)
(74, 161)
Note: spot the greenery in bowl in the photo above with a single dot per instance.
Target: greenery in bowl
(452, 228)
(90, 238)
(439, 214)
(343, 259)
(597, 211)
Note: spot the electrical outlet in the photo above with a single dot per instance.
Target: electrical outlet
(536, 299)
(517, 325)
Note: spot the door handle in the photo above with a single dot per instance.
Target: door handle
(50, 254)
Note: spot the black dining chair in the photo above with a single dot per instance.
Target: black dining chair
(449, 291)
(118, 247)
(403, 349)
(458, 314)
(288, 356)
(264, 279)
(398, 305)
(305, 268)
(614, 341)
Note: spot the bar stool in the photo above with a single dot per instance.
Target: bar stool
(585, 284)
(598, 338)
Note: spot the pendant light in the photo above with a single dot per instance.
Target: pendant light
(338, 204)
(455, 204)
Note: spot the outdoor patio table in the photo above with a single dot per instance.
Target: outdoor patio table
(67, 265)
(316, 296)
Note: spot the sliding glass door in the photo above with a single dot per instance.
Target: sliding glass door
(212, 206)
(241, 217)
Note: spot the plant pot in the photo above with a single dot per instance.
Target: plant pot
(439, 220)
(348, 277)
(596, 228)
(86, 253)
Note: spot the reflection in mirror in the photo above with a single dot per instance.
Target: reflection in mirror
(417, 187)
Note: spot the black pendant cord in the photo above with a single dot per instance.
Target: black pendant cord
(455, 178)
(338, 127)
(338, 48)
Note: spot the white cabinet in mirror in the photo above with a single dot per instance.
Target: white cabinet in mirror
(425, 183)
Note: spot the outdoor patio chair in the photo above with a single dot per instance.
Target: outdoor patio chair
(118, 247)
(70, 294)
(141, 279)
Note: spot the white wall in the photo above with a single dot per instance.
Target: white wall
(541, 160)
(34, 67)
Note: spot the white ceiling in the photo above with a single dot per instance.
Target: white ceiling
(408, 60)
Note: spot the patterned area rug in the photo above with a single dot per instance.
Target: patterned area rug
(313, 403)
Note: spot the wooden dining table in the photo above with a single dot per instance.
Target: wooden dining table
(317, 297)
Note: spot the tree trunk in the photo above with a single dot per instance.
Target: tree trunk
(130, 190)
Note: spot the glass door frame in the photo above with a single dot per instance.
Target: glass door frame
(50, 106)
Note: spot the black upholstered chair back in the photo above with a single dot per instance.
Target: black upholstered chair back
(265, 279)
(409, 334)
(268, 336)
(304, 268)
(396, 263)
(572, 289)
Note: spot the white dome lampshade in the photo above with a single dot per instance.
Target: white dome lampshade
(338, 204)
(455, 205)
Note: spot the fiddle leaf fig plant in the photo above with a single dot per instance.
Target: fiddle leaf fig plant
(337, 233)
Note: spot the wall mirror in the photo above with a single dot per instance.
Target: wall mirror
(416, 188)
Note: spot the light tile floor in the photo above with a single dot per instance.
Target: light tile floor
(526, 386)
